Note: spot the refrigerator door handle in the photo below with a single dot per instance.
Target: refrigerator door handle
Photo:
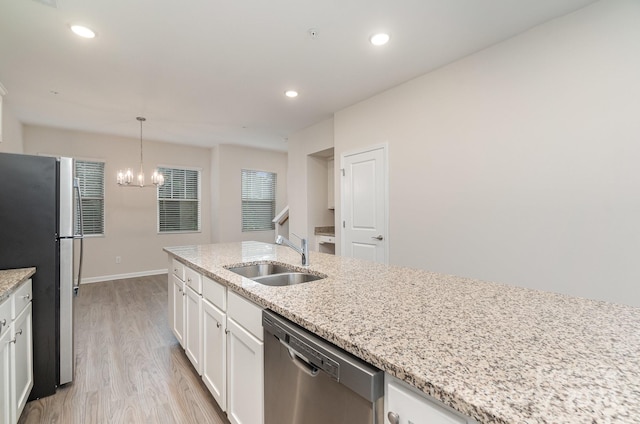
(76, 186)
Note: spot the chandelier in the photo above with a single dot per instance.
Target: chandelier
(125, 177)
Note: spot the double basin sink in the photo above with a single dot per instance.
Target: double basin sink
(274, 274)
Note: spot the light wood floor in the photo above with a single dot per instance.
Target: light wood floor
(129, 366)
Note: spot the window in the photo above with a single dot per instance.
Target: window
(90, 176)
(179, 201)
(258, 200)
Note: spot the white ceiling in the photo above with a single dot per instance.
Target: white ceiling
(205, 72)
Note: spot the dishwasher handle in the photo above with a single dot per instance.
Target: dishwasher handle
(302, 363)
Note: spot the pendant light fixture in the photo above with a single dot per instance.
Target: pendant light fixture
(125, 177)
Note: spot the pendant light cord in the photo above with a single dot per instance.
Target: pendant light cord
(141, 119)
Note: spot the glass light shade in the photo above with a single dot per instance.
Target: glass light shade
(157, 178)
(124, 177)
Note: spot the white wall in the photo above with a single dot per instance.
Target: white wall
(11, 131)
(130, 213)
(521, 163)
(228, 161)
(311, 140)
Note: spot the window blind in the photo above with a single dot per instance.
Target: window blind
(91, 179)
(258, 200)
(179, 200)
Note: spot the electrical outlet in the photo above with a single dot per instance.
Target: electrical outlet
(118, 259)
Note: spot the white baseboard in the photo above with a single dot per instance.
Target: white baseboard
(122, 276)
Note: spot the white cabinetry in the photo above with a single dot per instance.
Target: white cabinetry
(5, 361)
(192, 334)
(193, 318)
(214, 352)
(16, 353)
(177, 319)
(22, 354)
(245, 399)
(404, 404)
(221, 333)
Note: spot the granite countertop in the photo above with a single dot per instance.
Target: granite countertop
(495, 352)
(11, 278)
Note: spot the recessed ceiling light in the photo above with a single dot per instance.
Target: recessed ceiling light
(291, 93)
(83, 31)
(379, 39)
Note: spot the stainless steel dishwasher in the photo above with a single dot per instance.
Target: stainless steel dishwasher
(310, 381)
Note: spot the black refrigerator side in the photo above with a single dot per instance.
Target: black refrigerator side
(28, 237)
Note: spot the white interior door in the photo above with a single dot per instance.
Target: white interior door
(364, 205)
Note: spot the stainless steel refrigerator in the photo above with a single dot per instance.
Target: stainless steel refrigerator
(39, 199)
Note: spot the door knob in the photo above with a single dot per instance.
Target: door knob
(379, 237)
(393, 418)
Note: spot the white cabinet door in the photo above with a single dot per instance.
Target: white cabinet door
(192, 334)
(245, 393)
(214, 352)
(22, 354)
(177, 322)
(170, 298)
(5, 376)
(404, 405)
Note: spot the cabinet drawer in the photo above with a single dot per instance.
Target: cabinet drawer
(193, 280)
(214, 292)
(326, 239)
(21, 298)
(178, 269)
(5, 315)
(245, 313)
(413, 406)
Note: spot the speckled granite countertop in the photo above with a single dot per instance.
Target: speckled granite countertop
(11, 278)
(497, 353)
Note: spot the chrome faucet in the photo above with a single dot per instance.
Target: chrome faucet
(303, 250)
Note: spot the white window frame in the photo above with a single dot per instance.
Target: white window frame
(104, 166)
(275, 188)
(199, 200)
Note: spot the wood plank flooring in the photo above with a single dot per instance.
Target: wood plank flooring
(129, 366)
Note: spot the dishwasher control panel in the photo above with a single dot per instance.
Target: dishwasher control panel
(315, 357)
(296, 342)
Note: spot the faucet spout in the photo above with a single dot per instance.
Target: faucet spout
(303, 250)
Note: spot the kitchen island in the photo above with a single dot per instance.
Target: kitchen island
(494, 352)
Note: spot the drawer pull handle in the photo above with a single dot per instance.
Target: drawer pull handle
(14, 341)
(189, 279)
(217, 324)
(27, 296)
(3, 322)
(175, 269)
(226, 331)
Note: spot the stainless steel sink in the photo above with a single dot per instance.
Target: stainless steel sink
(260, 270)
(274, 274)
(287, 279)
